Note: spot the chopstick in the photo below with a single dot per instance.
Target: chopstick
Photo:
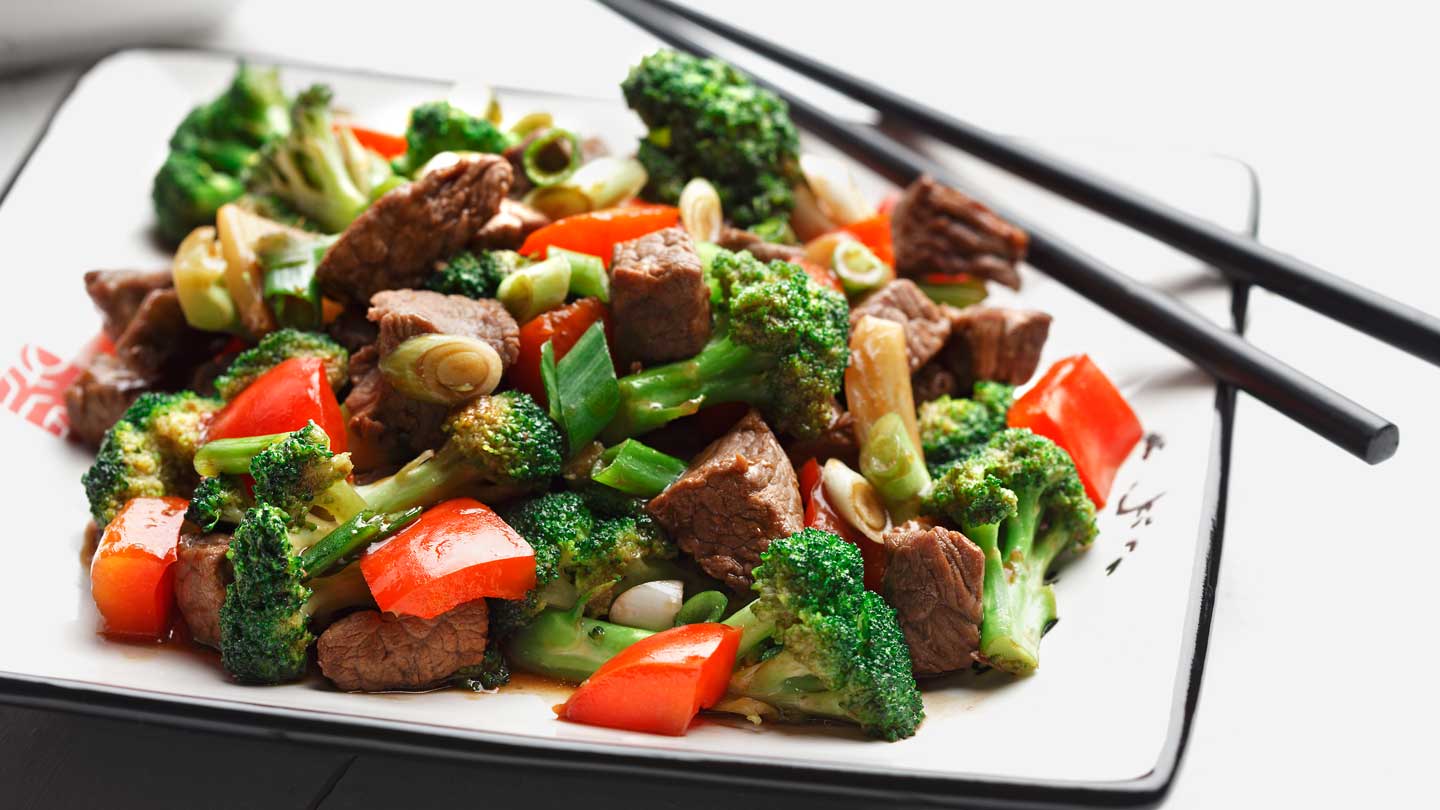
(1238, 257)
(1222, 353)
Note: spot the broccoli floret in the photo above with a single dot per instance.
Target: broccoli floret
(438, 127)
(504, 441)
(952, 429)
(707, 119)
(491, 673)
(319, 170)
(841, 653)
(149, 451)
(474, 276)
(579, 555)
(277, 347)
(218, 499)
(781, 343)
(1021, 501)
(213, 148)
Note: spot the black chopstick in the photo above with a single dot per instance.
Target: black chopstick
(1240, 258)
(1220, 352)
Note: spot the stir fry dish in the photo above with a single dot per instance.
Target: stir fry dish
(700, 428)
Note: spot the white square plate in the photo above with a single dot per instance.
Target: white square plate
(1104, 719)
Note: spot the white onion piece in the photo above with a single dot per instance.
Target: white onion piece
(700, 210)
(855, 499)
(609, 181)
(806, 219)
(649, 605)
(835, 189)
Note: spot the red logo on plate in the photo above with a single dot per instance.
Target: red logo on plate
(34, 389)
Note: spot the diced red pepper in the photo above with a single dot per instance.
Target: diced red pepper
(132, 578)
(823, 276)
(596, 233)
(284, 399)
(1076, 406)
(874, 233)
(658, 685)
(456, 552)
(381, 143)
(819, 514)
(563, 326)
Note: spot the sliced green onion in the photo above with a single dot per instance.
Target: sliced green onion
(231, 456)
(894, 465)
(443, 369)
(558, 202)
(859, 269)
(530, 122)
(536, 288)
(609, 181)
(342, 545)
(291, 287)
(959, 294)
(706, 606)
(636, 469)
(551, 158)
(583, 392)
(199, 272)
(587, 273)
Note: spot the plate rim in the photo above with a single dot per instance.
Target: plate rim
(857, 787)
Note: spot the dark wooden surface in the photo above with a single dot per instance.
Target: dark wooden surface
(55, 760)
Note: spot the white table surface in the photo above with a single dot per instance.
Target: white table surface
(1318, 691)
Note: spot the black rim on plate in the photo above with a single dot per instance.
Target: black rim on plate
(854, 788)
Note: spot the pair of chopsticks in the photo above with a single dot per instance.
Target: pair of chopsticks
(1222, 353)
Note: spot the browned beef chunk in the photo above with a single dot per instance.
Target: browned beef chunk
(98, 397)
(353, 330)
(395, 243)
(738, 495)
(509, 227)
(372, 651)
(838, 441)
(201, 572)
(161, 345)
(940, 230)
(926, 327)
(659, 299)
(391, 427)
(118, 293)
(934, 580)
(403, 314)
(994, 343)
(932, 381)
(515, 156)
(737, 240)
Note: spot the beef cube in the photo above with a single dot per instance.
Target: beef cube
(353, 330)
(118, 294)
(739, 494)
(161, 345)
(934, 580)
(100, 395)
(372, 651)
(932, 381)
(837, 441)
(403, 314)
(509, 227)
(940, 230)
(201, 572)
(390, 427)
(994, 343)
(395, 243)
(926, 326)
(659, 298)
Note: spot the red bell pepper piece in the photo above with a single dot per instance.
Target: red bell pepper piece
(132, 578)
(1076, 406)
(819, 514)
(563, 326)
(823, 276)
(597, 232)
(874, 233)
(659, 684)
(284, 399)
(381, 143)
(456, 552)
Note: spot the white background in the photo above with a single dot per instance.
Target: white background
(1319, 687)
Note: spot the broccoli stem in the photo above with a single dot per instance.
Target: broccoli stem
(1018, 604)
(567, 646)
(421, 482)
(232, 456)
(724, 371)
(784, 682)
(754, 631)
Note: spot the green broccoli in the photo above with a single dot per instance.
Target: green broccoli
(953, 429)
(437, 127)
(491, 673)
(1021, 501)
(277, 347)
(841, 652)
(474, 276)
(149, 451)
(781, 343)
(218, 499)
(505, 442)
(707, 119)
(319, 170)
(213, 148)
